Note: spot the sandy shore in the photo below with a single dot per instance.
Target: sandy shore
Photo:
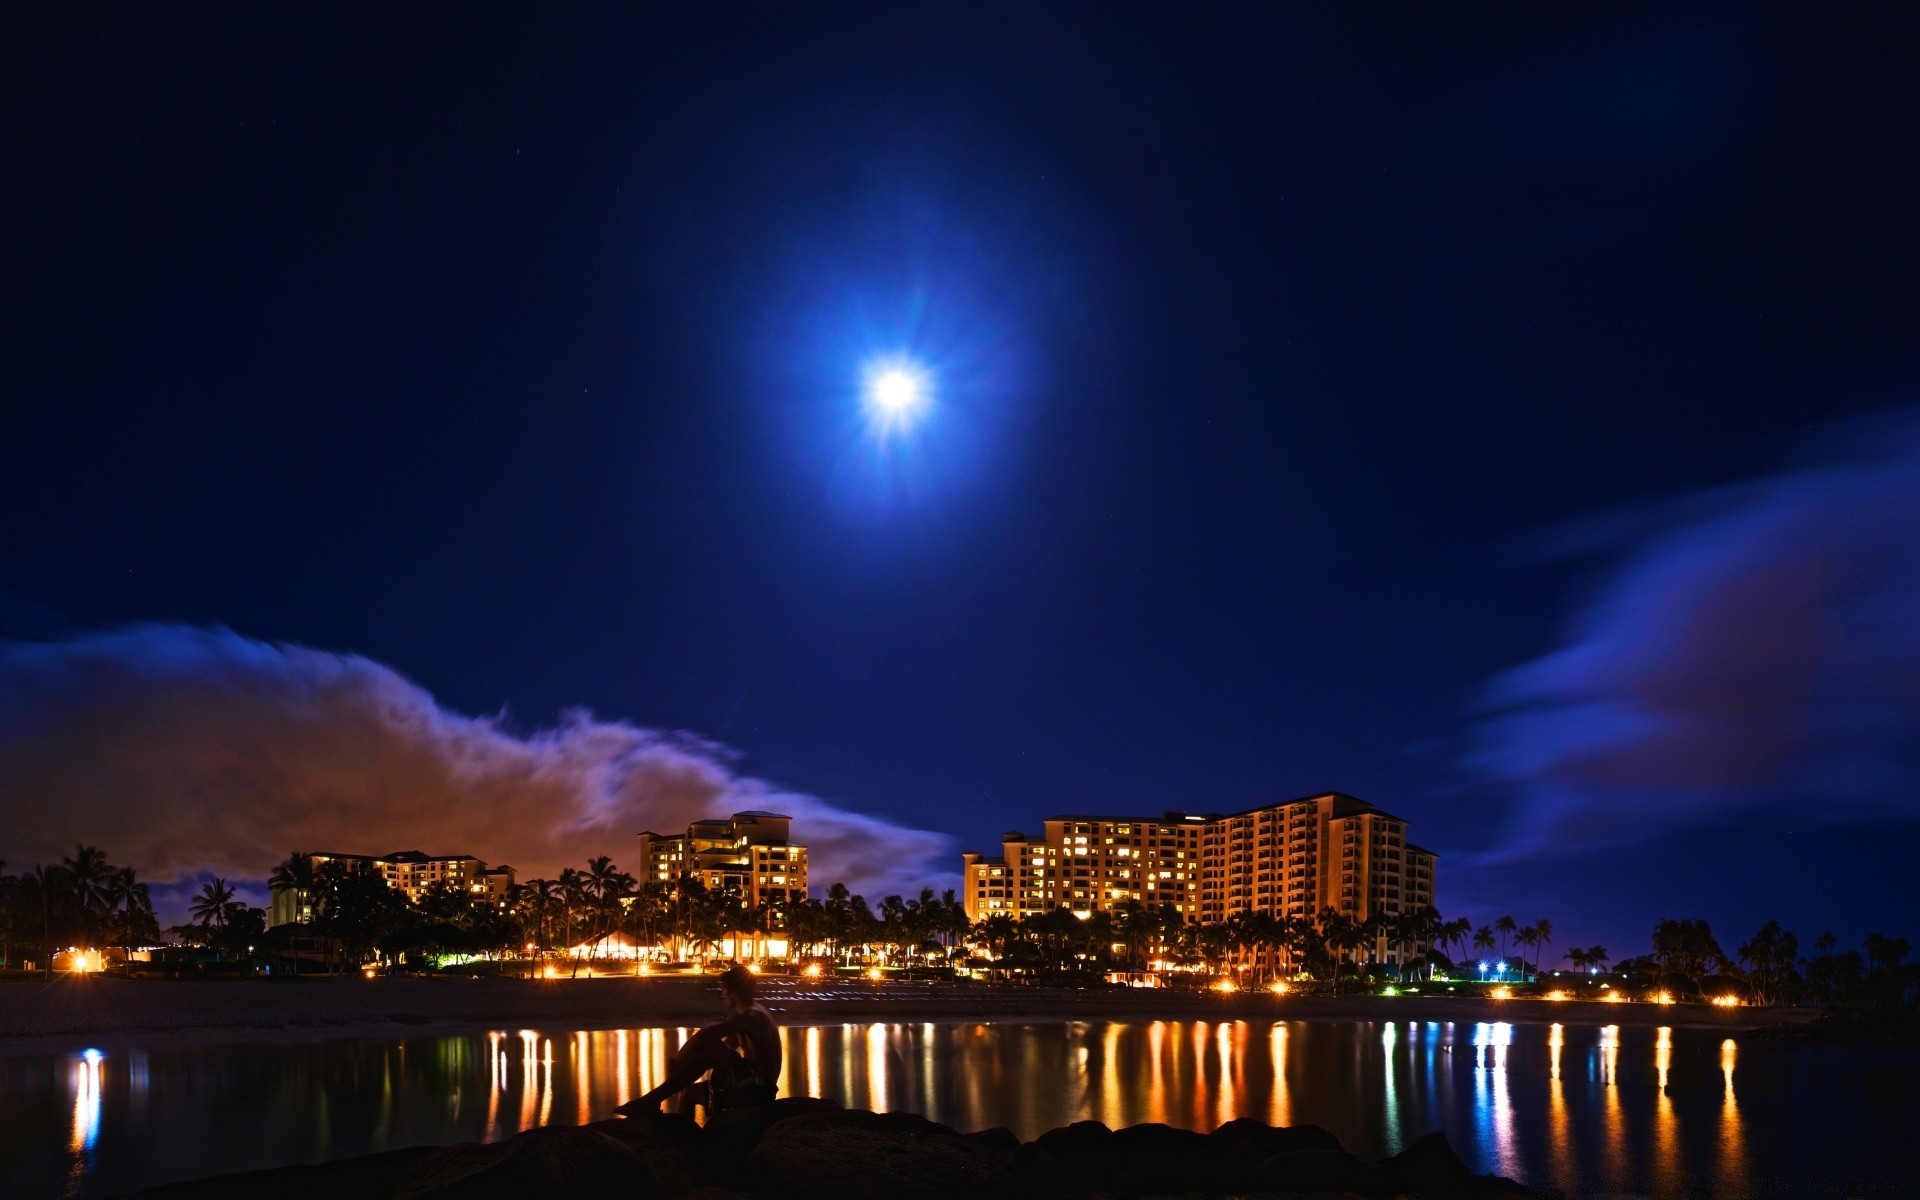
(65, 1014)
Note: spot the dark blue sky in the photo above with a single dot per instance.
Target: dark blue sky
(521, 353)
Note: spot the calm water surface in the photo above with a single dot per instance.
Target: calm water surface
(1584, 1108)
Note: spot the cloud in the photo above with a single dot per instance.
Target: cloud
(1753, 648)
(181, 750)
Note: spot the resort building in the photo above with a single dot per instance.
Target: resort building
(750, 854)
(409, 872)
(1090, 864)
(1291, 859)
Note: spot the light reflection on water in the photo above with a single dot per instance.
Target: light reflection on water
(1582, 1108)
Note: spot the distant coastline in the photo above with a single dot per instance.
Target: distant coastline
(109, 1014)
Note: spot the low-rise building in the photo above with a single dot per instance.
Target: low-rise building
(751, 855)
(410, 872)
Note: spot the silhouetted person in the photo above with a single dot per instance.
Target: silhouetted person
(742, 1052)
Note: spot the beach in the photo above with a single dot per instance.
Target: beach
(111, 1013)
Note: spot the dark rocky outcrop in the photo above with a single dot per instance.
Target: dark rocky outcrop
(859, 1155)
(803, 1149)
(365, 1177)
(557, 1160)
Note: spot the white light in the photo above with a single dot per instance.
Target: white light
(898, 391)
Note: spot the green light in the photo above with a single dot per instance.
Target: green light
(1391, 991)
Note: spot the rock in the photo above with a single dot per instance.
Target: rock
(654, 1131)
(550, 1161)
(1159, 1158)
(366, 1176)
(999, 1140)
(1309, 1171)
(1242, 1131)
(801, 1149)
(731, 1135)
(1241, 1145)
(1428, 1165)
(1083, 1149)
(1037, 1171)
(793, 1106)
(858, 1155)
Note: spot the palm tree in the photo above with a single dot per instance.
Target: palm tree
(955, 924)
(998, 930)
(87, 874)
(1507, 927)
(1588, 959)
(130, 898)
(294, 875)
(1376, 935)
(1413, 929)
(1522, 940)
(653, 905)
(606, 885)
(1339, 933)
(210, 906)
(604, 881)
(47, 883)
(838, 909)
(534, 898)
(1483, 940)
(1459, 932)
(9, 889)
(569, 892)
(1542, 937)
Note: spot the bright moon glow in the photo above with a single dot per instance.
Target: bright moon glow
(897, 392)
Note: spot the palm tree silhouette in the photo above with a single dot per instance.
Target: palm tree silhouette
(128, 897)
(1507, 927)
(87, 873)
(1523, 939)
(1542, 937)
(210, 906)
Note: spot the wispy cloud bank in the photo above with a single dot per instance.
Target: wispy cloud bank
(1753, 647)
(182, 749)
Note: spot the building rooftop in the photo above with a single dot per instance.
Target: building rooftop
(1423, 850)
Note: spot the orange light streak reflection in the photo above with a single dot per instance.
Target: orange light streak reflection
(1282, 1110)
(1733, 1136)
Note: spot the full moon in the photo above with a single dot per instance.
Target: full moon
(897, 392)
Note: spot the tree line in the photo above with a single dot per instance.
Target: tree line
(1768, 967)
(85, 900)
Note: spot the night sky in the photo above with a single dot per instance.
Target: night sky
(1505, 415)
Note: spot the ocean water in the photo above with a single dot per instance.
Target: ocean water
(1585, 1108)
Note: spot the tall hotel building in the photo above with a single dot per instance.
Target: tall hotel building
(1291, 859)
(750, 854)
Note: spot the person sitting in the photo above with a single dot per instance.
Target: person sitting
(742, 1054)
